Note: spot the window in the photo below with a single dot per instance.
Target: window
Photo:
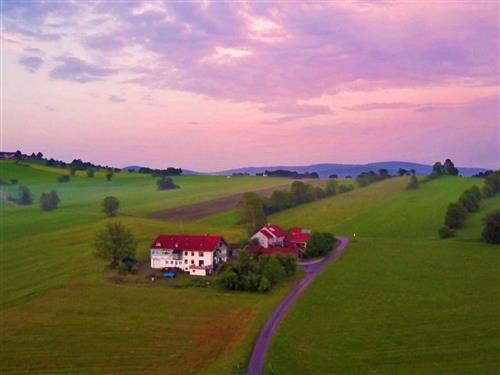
(200, 253)
(192, 253)
(185, 261)
(201, 263)
(185, 253)
(192, 261)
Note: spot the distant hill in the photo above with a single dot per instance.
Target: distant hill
(342, 170)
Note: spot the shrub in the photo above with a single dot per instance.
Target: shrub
(272, 269)
(491, 229)
(24, 196)
(345, 188)
(413, 183)
(72, 171)
(49, 201)
(90, 173)
(13, 181)
(289, 264)
(446, 232)
(331, 187)
(123, 268)
(319, 244)
(166, 183)
(63, 178)
(110, 206)
(492, 184)
(264, 285)
(109, 175)
(455, 215)
(228, 280)
(469, 200)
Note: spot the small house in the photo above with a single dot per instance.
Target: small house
(270, 236)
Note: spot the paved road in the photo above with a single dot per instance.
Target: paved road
(261, 346)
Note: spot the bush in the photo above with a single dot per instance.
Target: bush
(345, 188)
(331, 188)
(110, 206)
(446, 232)
(123, 268)
(90, 173)
(455, 215)
(13, 181)
(413, 183)
(289, 264)
(492, 184)
(24, 196)
(469, 200)
(491, 229)
(109, 175)
(264, 285)
(319, 244)
(49, 201)
(63, 178)
(166, 183)
(72, 171)
(228, 280)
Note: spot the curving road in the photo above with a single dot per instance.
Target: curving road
(261, 346)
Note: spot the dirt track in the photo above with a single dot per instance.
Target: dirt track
(198, 210)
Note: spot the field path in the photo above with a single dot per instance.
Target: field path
(261, 346)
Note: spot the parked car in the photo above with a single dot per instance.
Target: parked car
(169, 275)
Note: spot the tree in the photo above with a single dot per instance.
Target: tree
(402, 172)
(449, 168)
(492, 184)
(446, 232)
(63, 178)
(383, 173)
(469, 200)
(319, 244)
(114, 243)
(166, 183)
(18, 155)
(251, 210)
(299, 192)
(110, 206)
(279, 200)
(331, 188)
(39, 156)
(455, 215)
(413, 183)
(49, 201)
(491, 229)
(273, 270)
(24, 196)
(72, 171)
(109, 175)
(90, 172)
(437, 169)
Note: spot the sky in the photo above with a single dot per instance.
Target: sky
(216, 85)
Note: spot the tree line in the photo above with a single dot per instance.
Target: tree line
(469, 201)
(291, 174)
(253, 209)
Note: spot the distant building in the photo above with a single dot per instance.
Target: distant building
(270, 236)
(197, 254)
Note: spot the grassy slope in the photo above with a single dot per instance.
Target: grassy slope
(57, 313)
(400, 300)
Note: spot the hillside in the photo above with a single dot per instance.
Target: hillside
(400, 300)
(342, 170)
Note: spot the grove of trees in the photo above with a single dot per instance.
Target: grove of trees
(320, 243)
(49, 201)
(166, 183)
(256, 274)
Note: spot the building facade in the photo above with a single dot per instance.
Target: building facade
(197, 254)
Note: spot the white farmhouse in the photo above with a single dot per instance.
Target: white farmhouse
(270, 236)
(197, 254)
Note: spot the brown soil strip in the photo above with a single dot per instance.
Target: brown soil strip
(199, 210)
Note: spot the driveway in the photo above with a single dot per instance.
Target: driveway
(261, 346)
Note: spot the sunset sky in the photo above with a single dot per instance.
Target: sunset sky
(215, 85)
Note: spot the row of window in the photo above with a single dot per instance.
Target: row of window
(165, 252)
(200, 262)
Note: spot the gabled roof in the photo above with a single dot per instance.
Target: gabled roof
(276, 230)
(301, 237)
(187, 242)
(266, 233)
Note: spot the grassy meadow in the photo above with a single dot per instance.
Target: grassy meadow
(400, 300)
(58, 312)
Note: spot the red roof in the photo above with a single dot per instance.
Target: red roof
(267, 251)
(186, 242)
(266, 233)
(301, 237)
(296, 230)
(275, 230)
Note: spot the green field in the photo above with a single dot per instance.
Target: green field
(59, 313)
(400, 300)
